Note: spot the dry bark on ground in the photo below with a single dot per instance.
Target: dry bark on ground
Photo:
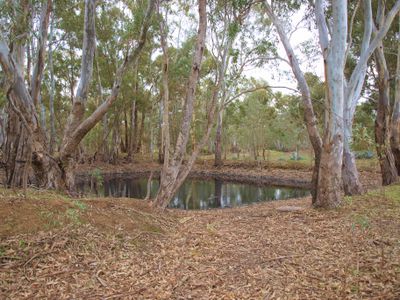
(123, 250)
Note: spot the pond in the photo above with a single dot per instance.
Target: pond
(194, 193)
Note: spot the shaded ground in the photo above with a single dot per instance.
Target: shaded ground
(120, 249)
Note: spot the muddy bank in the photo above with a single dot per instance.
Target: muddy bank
(210, 174)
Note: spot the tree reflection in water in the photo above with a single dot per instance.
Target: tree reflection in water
(194, 193)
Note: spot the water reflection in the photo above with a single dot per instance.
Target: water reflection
(194, 193)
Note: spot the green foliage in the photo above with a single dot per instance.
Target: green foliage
(233, 29)
(266, 120)
(295, 156)
(367, 154)
(363, 129)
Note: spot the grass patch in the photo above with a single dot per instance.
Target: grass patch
(361, 221)
(391, 193)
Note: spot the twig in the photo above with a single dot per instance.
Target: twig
(102, 282)
(36, 256)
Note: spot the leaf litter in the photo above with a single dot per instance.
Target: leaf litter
(122, 249)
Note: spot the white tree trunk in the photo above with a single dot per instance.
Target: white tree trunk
(334, 52)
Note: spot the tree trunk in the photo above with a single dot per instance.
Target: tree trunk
(21, 150)
(309, 115)
(218, 140)
(382, 122)
(17, 151)
(395, 126)
(116, 140)
(77, 128)
(133, 130)
(104, 149)
(26, 146)
(37, 75)
(3, 118)
(350, 176)
(57, 172)
(141, 131)
(165, 141)
(330, 168)
(169, 181)
(52, 90)
(126, 134)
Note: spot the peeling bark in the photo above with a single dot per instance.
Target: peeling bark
(329, 185)
(26, 142)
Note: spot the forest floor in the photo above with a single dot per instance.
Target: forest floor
(56, 247)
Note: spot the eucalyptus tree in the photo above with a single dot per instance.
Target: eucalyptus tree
(20, 140)
(164, 104)
(333, 47)
(226, 22)
(52, 139)
(174, 172)
(395, 124)
(385, 139)
(341, 96)
(57, 171)
(351, 91)
(309, 115)
(254, 120)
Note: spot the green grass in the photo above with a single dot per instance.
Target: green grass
(391, 192)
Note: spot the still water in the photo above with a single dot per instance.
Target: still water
(194, 193)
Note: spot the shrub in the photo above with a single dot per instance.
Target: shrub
(295, 156)
(367, 154)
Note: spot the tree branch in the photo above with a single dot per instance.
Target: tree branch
(41, 51)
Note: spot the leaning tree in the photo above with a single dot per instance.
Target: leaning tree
(26, 140)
